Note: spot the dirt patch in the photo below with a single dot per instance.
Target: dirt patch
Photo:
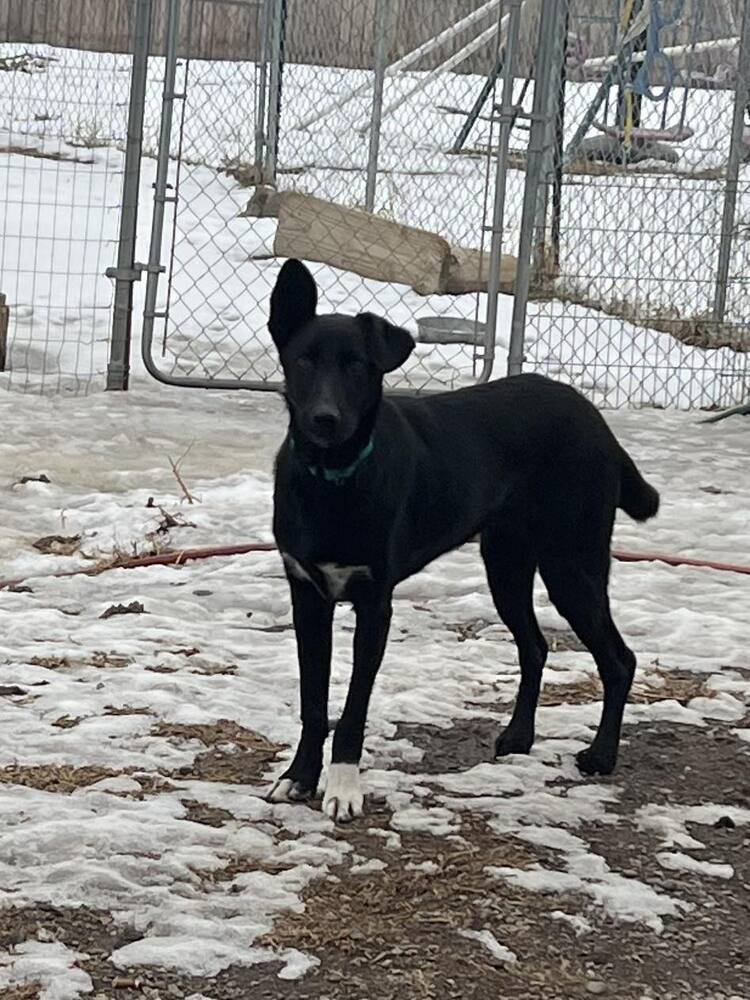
(67, 721)
(240, 866)
(680, 686)
(58, 545)
(60, 778)
(29, 991)
(98, 659)
(134, 608)
(236, 755)
(151, 783)
(397, 931)
(706, 953)
(199, 812)
(126, 710)
(64, 779)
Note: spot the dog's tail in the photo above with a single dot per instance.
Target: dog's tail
(638, 499)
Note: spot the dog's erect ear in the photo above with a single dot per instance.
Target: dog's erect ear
(293, 302)
(389, 346)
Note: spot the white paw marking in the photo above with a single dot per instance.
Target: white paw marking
(286, 790)
(343, 800)
(280, 791)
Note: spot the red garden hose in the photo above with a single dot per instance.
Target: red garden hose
(185, 555)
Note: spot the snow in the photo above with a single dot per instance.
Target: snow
(622, 898)
(50, 964)
(670, 822)
(579, 924)
(137, 853)
(490, 942)
(676, 861)
(138, 856)
(659, 236)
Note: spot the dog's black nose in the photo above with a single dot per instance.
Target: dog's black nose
(325, 421)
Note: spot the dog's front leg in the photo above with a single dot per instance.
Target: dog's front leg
(313, 625)
(343, 798)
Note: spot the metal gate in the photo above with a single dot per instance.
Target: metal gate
(236, 138)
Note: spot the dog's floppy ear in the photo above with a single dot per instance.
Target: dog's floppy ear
(293, 302)
(389, 346)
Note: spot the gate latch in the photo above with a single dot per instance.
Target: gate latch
(134, 273)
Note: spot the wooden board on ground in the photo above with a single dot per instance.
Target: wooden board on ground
(469, 271)
(358, 241)
(375, 247)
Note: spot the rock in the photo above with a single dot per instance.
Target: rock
(724, 823)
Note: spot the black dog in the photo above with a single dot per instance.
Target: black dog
(371, 489)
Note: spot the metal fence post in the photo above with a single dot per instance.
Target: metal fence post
(276, 57)
(542, 109)
(550, 157)
(160, 185)
(125, 273)
(382, 24)
(507, 117)
(741, 98)
(262, 70)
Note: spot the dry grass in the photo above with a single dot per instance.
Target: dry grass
(98, 659)
(60, 778)
(40, 154)
(199, 812)
(659, 685)
(695, 331)
(29, 991)
(395, 932)
(603, 168)
(235, 755)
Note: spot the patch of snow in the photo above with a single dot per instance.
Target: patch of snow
(51, 964)
(676, 861)
(579, 924)
(368, 867)
(493, 946)
(297, 964)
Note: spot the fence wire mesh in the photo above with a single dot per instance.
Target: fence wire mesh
(640, 290)
(234, 217)
(287, 115)
(63, 118)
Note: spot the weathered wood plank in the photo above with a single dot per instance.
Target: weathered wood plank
(357, 241)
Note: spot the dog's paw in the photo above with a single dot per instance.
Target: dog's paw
(592, 761)
(509, 742)
(343, 800)
(289, 790)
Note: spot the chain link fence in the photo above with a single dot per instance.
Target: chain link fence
(63, 120)
(333, 164)
(640, 285)
(427, 157)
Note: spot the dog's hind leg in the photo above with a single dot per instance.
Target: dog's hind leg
(343, 798)
(577, 586)
(313, 624)
(511, 564)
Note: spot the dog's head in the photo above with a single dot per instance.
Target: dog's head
(333, 365)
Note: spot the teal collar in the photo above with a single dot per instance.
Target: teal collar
(339, 476)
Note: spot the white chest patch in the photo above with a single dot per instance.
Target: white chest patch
(336, 577)
(294, 568)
